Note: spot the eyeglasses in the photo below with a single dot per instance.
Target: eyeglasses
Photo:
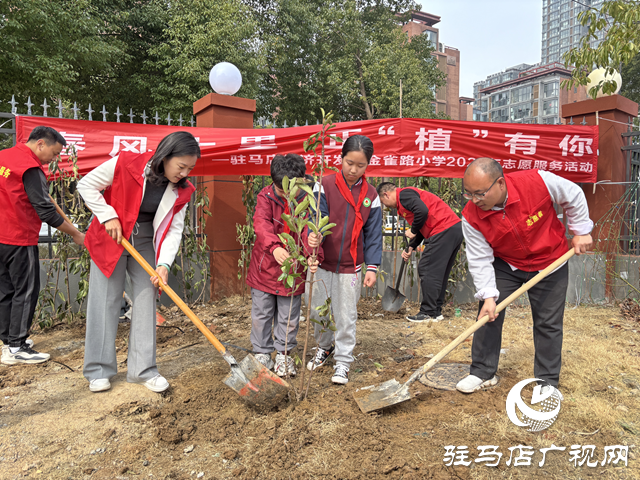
(479, 196)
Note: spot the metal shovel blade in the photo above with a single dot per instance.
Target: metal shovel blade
(392, 300)
(381, 396)
(255, 384)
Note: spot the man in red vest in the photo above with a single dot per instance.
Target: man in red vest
(24, 196)
(433, 221)
(512, 232)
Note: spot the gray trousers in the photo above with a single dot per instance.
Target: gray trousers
(272, 311)
(547, 300)
(344, 291)
(103, 310)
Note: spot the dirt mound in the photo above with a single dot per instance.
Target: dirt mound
(52, 427)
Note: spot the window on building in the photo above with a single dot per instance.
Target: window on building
(519, 112)
(564, 43)
(521, 94)
(550, 120)
(564, 24)
(432, 36)
(554, 24)
(500, 115)
(564, 33)
(550, 107)
(564, 16)
(484, 105)
(499, 99)
(554, 16)
(551, 89)
(554, 41)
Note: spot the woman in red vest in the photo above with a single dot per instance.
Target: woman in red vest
(144, 200)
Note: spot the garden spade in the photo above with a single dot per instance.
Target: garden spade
(249, 379)
(392, 299)
(391, 392)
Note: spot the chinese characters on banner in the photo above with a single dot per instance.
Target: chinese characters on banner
(402, 147)
(522, 455)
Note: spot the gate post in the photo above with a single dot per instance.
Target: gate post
(225, 193)
(613, 114)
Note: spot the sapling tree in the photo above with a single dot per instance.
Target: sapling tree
(305, 215)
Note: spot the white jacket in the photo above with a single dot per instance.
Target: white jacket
(101, 177)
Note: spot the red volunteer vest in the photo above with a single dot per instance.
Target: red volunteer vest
(125, 196)
(19, 220)
(440, 216)
(527, 233)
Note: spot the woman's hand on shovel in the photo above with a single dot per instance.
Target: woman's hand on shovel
(164, 274)
(406, 254)
(114, 229)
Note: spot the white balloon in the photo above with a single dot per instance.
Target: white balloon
(225, 78)
(598, 75)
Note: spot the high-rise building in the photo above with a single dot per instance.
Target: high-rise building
(561, 29)
(447, 100)
(525, 94)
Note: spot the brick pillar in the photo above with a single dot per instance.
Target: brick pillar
(612, 163)
(613, 113)
(225, 193)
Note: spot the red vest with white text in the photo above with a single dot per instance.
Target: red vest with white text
(19, 220)
(125, 196)
(440, 216)
(527, 233)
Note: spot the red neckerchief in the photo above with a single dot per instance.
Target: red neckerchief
(358, 223)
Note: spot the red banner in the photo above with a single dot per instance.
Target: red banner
(403, 147)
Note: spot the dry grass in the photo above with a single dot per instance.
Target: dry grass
(600, 380)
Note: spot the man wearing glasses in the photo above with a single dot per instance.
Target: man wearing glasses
(512, 232)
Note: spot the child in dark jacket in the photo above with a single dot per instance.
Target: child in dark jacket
(271, 300)
(353, 205)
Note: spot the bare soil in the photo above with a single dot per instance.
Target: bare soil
(52, 427)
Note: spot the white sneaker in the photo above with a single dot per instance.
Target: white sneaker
(439, 318)
(157, 384)
(471, 383)
(99, 385)
(341, 374)
(25, 354)
(284, 365)
(264, 359)
(556, 393)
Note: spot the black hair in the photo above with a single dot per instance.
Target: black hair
(289, 165)
(48, 134)
(488, 166)
(358, 143)
(385, 187)
(176, 144)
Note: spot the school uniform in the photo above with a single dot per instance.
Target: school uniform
(433, 222)
(507, 246)
(271, 300)
(356, 239)
(25, 201)
(152, 219)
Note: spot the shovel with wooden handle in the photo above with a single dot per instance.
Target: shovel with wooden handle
(250, 379)
(391, 392)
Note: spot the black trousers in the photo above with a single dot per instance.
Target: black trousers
(547, 300)
(19, 290)
(434, 267)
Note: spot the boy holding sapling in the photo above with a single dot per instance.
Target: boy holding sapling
(273, 303)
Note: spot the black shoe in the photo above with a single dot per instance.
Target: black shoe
(320, 359)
